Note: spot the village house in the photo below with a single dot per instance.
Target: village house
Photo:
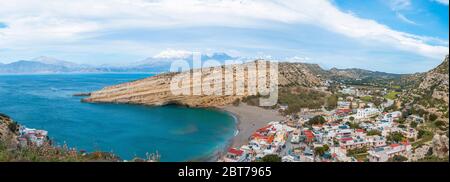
(367, 113)
(234, 155)
(343, 105)
(383, 154)
(30, 136)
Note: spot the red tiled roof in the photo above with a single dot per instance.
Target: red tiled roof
(360, 130)
(235, 151)
(395, 145)
(256, 135)
(309, 134)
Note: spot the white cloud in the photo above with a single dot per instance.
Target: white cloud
(397, 5)
(173, 54)
(444, 2)
(32, 22)
(405, 19)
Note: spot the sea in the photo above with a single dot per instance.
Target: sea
(176, 133)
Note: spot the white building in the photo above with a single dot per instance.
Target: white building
(382, 154)
(367, 113)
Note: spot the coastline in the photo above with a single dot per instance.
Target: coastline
(248, 120)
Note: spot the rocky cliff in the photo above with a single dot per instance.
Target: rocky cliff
(8, 128)
(156, 90)
(430, 91)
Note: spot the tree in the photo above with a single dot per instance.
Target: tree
(271, 158)
(374, 132)
(424, 133)
(326, 147)
(352, 152)
(319, 151)
(352, 118)
(401, 120)
(433, 117)
(13, 126)
(398, 158)
(395, 137)
(332, 102)
(316, 120)
(353, 125)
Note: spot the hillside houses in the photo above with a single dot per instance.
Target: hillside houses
(383, 154)
(30, 136)
(356, 129)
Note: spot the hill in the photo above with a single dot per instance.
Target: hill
(429, 93)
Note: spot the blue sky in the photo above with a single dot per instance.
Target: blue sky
(400, 36)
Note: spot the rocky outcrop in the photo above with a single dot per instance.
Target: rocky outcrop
(430, 91)
(8, 130)
(440, 146)
(437, 80)
(157, 90)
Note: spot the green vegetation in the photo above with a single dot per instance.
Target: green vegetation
(366, 98)
(271, 158)
(331, 102)
(391, 95)
(13, 126)
(432, 158)
(432, 117)
(252, 100)
(373, 133)
(395, 137)
(297, 98)
(321, 150)
(49, 153)
(353, 125)
(440, 124)
(423, 136)
(316, 120)
(398, 158)
(357, 151)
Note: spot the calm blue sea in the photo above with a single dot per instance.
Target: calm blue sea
(177, 133)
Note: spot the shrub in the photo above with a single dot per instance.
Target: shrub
(373, 132)
(398, 158)
(271, 158)
(395, 137)
(316, 120)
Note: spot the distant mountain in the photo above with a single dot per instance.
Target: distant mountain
(163, 61)
(54, 61)
(44, 65)
(356, 73)
(31, 67)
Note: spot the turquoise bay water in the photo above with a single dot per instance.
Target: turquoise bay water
(177, 133)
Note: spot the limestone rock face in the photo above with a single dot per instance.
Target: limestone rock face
(156, 90)
(431, 93)
(440, 146)
(5, 130)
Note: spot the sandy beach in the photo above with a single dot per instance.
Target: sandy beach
(250, 118)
